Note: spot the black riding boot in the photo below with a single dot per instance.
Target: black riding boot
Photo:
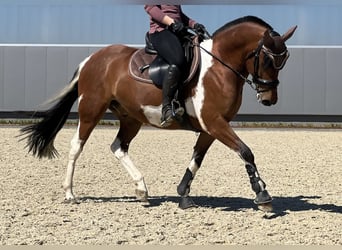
(170, 85)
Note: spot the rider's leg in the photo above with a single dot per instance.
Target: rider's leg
(170, 85)
(169, 47)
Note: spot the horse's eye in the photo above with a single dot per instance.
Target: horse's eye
(267, 62)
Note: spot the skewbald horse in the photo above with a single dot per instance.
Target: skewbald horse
(243, 47)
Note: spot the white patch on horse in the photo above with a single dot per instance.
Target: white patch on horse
(194, 105)
(127, 163)
(152, 114)
(75, 151)
(80, 99)
(193, 167)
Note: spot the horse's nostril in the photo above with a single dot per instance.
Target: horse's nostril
(266, 102)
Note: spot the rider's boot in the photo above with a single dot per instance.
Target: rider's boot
(170, 85)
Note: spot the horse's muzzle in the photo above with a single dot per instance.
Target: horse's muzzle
(267, 99)
(266, 102)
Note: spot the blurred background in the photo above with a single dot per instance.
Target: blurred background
(105, 22)
(43, 41)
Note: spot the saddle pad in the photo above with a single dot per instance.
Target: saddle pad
(140, 59)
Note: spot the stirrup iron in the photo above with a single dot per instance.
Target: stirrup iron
(177, 109)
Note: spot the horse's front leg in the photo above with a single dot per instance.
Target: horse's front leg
(263, 199)
(220, 129)
(203, 143)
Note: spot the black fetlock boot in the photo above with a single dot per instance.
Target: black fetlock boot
(170, 85)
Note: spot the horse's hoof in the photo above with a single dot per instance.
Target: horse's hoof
(186, 202)
(262, 197)
(141, 195)
(266, 207)
(263, 200)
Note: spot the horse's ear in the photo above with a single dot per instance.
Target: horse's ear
(289, 33)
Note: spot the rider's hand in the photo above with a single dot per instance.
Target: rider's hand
(200, 28)
(177, 27)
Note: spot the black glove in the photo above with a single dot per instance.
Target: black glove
(177, 27)
(200, 28)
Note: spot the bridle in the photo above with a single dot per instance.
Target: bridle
(276, 64)
(256, 79)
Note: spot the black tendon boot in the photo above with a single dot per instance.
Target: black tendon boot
(170, 85)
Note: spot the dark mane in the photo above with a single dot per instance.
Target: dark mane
(253, 19)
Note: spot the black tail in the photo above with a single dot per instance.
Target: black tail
(40, 136)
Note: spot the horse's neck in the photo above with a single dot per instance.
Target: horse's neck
(238, 40)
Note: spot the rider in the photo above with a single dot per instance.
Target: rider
(166, 24)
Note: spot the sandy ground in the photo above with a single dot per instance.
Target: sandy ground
(302, 169)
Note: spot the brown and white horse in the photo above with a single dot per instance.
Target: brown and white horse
(243, 47)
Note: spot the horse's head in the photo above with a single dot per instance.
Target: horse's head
(269, 58)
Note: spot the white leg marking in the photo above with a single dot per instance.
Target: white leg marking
(195, 104)
(75, 151)
(193, 167)
(127, 163)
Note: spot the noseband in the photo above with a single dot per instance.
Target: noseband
(256, 79)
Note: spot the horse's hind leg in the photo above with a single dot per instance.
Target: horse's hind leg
(128, 130)
(75, 151)
(90, 113)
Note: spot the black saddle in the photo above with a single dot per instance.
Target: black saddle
(146, 66)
